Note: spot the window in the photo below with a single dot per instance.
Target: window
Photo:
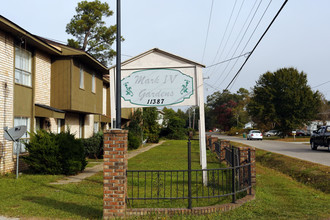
(22, 121)
(81, 126)
(81, 84)
(23, 66)
(96, 127)
(93, 82)
(59, 125)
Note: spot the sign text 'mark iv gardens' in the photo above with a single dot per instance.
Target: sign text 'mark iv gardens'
(157, 87)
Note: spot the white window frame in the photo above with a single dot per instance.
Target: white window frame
(23, 67)
(93, 83)
(59, 124)
(25, 138)
(81, 81)
(81, 126)
(96, 127)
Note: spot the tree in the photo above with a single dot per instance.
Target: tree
(283, 100)
(227, 109)
(90, 31)
(151, 127)
(324, 110)
(135, 132)
(174, 125)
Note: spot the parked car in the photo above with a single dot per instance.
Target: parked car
(301, 133)
(254, 135)
(271, 133)
(321, 137)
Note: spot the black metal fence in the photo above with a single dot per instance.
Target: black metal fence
(189, 184)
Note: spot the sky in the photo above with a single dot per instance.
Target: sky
(299, 37)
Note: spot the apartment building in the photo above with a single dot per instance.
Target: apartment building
(46, 85)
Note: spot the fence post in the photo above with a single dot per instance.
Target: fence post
(233, 174)
(189, 174)
(249, 167)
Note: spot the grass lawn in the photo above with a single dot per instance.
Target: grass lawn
(172, 155)
(278, 195)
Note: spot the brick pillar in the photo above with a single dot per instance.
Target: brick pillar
(114, 172)
(223, 144)
(244, 158)
(213, 140)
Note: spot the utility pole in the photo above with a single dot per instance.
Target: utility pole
(194, 119)
(118, 68)
(189, 111)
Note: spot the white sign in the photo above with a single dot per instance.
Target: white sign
(157, 87)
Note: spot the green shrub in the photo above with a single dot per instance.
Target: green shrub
(236, 131)
(153, 138)
(44, 153)
(134, 141)
(94, 146)
(72, 153)
(55, 153)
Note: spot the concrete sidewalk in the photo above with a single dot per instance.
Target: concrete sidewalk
(90, 171)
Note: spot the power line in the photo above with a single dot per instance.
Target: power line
(246, 42)
(245, 54)
(279, 11)
(247, 28)
(231, 31)
(320, 84)
(223, 36)
(208, 29)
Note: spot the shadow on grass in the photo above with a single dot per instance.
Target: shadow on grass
(75, 209)
(61, 187)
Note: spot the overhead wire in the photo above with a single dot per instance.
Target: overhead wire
(228, 60)
(208, 30)
(271, 23)
(320, 84)
(232, 28)
(246, 42)
(223, 36)
(247, 28)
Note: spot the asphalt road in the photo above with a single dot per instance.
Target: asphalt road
(298, 150)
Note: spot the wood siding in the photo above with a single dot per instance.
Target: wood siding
(60, 84)
(66, 92)
(23, 101)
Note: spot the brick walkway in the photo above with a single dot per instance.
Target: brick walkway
(90, 171)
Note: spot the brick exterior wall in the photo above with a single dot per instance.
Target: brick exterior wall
(114, 169)
(6, 100)
(42, 79)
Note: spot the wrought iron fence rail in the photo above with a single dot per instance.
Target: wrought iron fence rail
(172, 184)
(191, 184)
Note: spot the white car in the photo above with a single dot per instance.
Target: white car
(254, 135)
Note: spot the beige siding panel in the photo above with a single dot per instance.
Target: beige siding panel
(104, 103)
(89, 125)
(72, 123)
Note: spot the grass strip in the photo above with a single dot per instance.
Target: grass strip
(308, 173)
